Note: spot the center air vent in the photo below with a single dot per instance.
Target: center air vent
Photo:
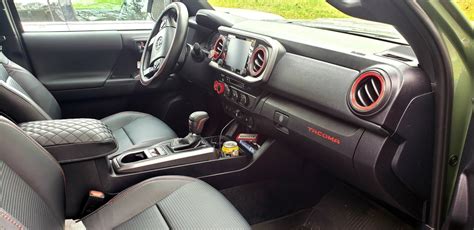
(218, 47)
(258, 61)
(368, 92)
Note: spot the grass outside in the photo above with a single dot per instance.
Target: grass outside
(308, 9)
(466, 6)
(292, 9)
(97, 4)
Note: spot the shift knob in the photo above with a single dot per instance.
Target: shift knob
(197, 121)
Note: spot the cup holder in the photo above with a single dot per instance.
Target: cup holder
(134, 157)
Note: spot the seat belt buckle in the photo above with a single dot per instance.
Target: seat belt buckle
(94, 200)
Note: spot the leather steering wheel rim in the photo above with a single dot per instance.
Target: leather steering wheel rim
(165, 43)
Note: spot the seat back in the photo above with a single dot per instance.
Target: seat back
(31, 183)
(23, 97)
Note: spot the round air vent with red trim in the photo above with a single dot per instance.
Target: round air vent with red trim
(368, 92)
(218, 48)
(258, 61)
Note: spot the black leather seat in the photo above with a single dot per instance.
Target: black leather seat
(33, 195)
(24, 98)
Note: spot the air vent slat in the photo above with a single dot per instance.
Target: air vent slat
(361, 98)
(368, 93)
(257, 63)
(377, 91)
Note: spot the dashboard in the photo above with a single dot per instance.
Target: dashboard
(357, 106)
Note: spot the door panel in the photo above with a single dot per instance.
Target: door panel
(76, 60)
(95, 68)
(73, 60)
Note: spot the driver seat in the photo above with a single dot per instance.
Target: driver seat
(24, 98)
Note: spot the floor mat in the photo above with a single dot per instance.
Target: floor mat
(342, 208)
(259, 202)
(293, 221)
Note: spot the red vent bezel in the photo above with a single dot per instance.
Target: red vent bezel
(364, 109)
(252, 59)
(215, 57)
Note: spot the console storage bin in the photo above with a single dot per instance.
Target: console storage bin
(71, 140)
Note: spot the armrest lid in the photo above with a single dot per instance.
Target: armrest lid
(72, 139)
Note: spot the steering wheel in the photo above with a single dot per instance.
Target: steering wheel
(165, 43)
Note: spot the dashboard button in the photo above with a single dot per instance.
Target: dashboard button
(280, 119)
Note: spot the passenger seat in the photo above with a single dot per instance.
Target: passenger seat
(33, 195)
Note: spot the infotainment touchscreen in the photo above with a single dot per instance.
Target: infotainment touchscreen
(237, 53)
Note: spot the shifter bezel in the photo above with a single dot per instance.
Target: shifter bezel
(165, 157)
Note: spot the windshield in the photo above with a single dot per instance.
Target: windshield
(309, 13)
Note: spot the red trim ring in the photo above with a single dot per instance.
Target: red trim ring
(217, 55)
(361, 77)
(252, 59)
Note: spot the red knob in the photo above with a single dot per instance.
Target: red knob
(219, 87)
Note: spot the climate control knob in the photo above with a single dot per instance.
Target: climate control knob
(243, 100)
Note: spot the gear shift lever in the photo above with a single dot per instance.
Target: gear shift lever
(197, 121)
(196, 125)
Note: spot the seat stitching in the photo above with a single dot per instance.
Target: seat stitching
(11, 219)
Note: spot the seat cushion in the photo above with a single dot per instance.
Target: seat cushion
(168, 202)
(135, 128)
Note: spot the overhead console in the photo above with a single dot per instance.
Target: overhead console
(245, 56)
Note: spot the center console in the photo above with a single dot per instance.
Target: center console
(180, 151)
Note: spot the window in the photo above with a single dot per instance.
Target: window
(80, 15)
(467, 7)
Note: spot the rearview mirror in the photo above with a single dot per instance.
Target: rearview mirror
(156, 7)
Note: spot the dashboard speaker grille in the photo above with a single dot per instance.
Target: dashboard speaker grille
(368, 92)
(258, 61)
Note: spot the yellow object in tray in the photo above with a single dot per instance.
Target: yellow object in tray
(230, 148)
